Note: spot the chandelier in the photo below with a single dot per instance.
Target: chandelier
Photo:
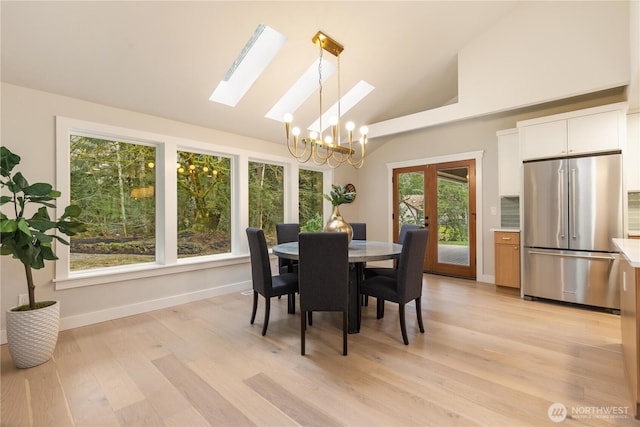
(327, 149)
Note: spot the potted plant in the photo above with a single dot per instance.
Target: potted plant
(32, 329)
(339, 195)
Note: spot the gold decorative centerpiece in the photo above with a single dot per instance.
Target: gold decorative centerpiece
(339, 195)
(328, 149)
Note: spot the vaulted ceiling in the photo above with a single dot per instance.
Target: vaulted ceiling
(166, 58)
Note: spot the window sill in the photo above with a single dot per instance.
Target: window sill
(142, 271)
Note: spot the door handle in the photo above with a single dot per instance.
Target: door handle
(561, 202)
(597, 257)
(573, 204)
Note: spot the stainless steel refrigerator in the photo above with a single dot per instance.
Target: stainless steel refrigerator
(572, 208)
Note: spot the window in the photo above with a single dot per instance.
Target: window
(114, 184)
(204, 208)
(156, 204)
(310, 200)
(266, 198)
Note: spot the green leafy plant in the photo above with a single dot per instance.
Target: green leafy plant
(26, 238)
(339, 195)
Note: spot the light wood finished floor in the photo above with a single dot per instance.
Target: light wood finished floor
(487, 358)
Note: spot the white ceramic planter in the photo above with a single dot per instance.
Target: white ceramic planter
(32, 335)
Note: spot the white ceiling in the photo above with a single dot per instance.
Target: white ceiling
(165, 58)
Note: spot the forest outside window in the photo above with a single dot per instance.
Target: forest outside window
(114, 184)
(157, 204)
(266, 198)
(204, 208)
(310, 199)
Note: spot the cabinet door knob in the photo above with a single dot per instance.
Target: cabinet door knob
(506, 238)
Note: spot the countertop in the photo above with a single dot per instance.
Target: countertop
(630, 249)
(506, 229)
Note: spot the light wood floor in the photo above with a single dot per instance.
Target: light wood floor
(487, 358)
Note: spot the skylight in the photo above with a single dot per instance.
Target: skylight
(261, 48)
(347, 102)
(302, 89)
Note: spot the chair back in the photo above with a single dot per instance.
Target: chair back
(323, 271)
(287, 232)
(411, 265)
(260, 265)
(359, 230)
(406, 227)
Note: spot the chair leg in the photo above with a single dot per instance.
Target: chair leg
(403, 325)
(255, 306)
(365, 300)
(419, 313)
(303, 326)
(310, 314)
(291, 301)
(344, 333)
(266, 315)
(379, 308)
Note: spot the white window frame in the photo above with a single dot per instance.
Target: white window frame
(167, 261)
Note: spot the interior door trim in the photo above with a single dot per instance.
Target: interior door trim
(470, 155)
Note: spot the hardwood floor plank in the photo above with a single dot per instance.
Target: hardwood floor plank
(487, 358)
(304, 413)
(204, 398)
(47, 397)
(15, 400)
(117, 386)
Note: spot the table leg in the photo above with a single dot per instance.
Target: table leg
(355, 276)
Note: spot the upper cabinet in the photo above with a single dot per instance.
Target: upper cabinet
(508, 163)
(631, 156)
(592, 130)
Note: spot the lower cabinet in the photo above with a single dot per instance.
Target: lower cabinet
(630, 326)
(507, 258)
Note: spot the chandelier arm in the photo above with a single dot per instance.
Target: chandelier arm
(295, 151)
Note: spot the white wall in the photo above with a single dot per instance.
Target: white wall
(450, 139)
(28, 129)
(543, 51)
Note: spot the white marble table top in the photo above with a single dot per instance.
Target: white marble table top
(359, 250)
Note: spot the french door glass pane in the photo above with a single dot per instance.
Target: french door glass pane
(411, 198)
(114, 184)
(453, 216)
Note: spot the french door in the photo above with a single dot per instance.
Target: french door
(441, 197)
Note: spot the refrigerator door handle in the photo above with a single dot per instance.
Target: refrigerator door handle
(573, 204)
(600, 257)
(561, 201)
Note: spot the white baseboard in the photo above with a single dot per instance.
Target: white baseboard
(93, 317)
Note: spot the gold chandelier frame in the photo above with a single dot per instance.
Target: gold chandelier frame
(329, 150)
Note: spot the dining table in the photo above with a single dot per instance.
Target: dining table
(360, 252)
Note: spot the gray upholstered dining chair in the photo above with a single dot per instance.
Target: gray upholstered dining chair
(359, 230)
(406, 285)
(391, 271)
(263, 282)
(323, 271)
(287, 232)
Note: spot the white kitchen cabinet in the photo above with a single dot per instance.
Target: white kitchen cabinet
(543, 140)
(631, 155)
(508, 162)
(591, 130)
(594, 133)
